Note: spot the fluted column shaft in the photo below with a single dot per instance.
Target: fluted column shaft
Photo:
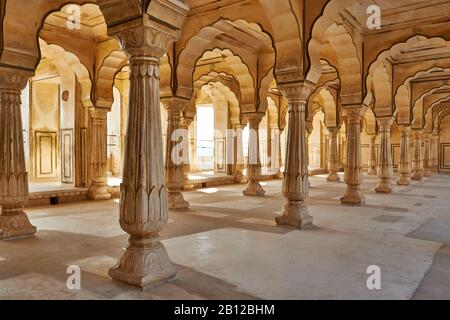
(404, 168)
(176, 146)
(184, 126)
(14, 222)
(98, 135)
(333, 158)
(239, 161)
(417, 161)
(435, 152)
(143, 193)
(353, 168)
(385, 169)
(254, 160)
(296, 181)
(372, 170)
(427, 163)
(279, 174)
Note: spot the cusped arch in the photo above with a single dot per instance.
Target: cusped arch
(63, 59)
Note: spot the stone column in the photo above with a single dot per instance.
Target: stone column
(14, 221)
(175, 158)
(295, 184)
(417, 162)
(435, 152)
(427, 164)
(254, 161)
(239, 161)
(279, 174)
(184, 125)
(372, 170)
(143, 195)
(98, 149)
(385, 169)
(353, 168)
(333, 159)
(404, 168)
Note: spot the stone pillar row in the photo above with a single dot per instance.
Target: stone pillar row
(372, 170)
(417, 161)
(404, 168)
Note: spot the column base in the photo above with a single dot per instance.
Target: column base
(372, 172)
(240, 178)
(295, 214)
(99, 192)
(353, 196)
(254, 189)
(176, 201)
(144, 263)
(404, 180)
(384, 187)
(427, 173)
(15, 225)
(333, 177)
(416, 177)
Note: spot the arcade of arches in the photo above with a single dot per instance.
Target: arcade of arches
(308, 140)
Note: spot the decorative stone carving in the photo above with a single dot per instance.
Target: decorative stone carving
(372, 170)
(175, 167)
(333, 159)
(417, 162)
(14, 193)
(254, 161)
(427, 163)
(296, 182)
(353, 169)
(143, 194)
(98, 135)
(404, 168)
(385, 169)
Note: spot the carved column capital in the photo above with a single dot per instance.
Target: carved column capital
(297, 93)
(354, 112)
(13, 79)
(254, 119)
(145, 40)
(175, 104)
(404, 129)
(385, 123)
(98, 113)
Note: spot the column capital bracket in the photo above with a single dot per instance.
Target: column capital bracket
(175, 104)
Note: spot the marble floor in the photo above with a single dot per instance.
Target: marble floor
(228, 247)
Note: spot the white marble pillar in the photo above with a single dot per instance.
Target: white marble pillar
(417, 161)
(296, 181)
(353, 168)
(385, 169)
(254, 188)
(333, 159)
(404, 168)
(98, 154)
(372, 165)
(427, 163)
(143, 194)
(14, 221)
(174, 154)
